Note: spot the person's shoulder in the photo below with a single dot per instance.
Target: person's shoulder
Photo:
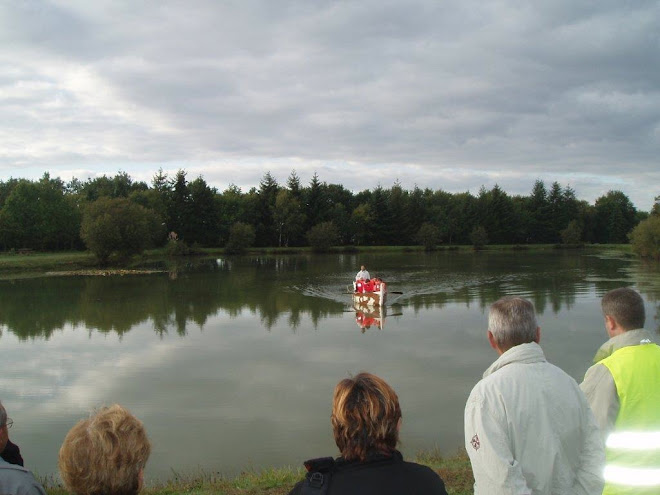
(558, 372)
(11, 467)
(297, 488)
(480, 390)
(596, 377)
(419, 468)
(17, 479)
(493, 381)
(424, 474)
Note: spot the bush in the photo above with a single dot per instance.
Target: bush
(118, 226)
(176, 247)
(645, 238)
(241, 237)
(428, 235)
(572, 234)
(323, 236)
(479, 237)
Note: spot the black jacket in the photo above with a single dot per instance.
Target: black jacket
(381, 475)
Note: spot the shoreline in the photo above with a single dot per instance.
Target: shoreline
(454, 470)
(74, 263)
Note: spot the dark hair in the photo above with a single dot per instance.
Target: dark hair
(626, 306)
(365, 417)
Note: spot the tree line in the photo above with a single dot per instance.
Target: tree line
(49, 214)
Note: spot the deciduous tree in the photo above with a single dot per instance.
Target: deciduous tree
(645, 238)
(323, 236)
(428, 235)
(241, 237)
(118, 226)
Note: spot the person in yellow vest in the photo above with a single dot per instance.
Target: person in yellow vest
(623, 390)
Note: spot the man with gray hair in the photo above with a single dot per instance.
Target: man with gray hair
(528, 427)
(623, 389)
(14, 479)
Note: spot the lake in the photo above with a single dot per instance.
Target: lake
(231, 362)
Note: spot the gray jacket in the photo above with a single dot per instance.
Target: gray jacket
(16, 480)
(598, 384)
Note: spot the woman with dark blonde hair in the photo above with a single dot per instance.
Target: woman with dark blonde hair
(105, 454)
(366, 418)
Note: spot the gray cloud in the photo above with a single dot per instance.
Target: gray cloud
(445, 94)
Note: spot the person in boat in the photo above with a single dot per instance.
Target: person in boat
(105, 453)
(366, 418)
(362, 274)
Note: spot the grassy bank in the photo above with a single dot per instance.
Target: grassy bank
(36, 263)
(455, 471)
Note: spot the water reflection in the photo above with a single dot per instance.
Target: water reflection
(289, 287)
(188, 294)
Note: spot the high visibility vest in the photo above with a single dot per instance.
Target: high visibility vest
(633, 448)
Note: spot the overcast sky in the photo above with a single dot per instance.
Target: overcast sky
(444, 94)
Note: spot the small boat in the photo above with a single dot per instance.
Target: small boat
(371, 292)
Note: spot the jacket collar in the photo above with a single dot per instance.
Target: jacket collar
(395, 456)
(523, 353)
(625, 339)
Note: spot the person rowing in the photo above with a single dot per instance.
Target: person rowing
(362, 274)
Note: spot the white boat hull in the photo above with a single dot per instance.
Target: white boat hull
(370, 298)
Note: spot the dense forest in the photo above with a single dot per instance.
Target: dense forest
(49, 214)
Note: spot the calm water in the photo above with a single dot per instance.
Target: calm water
(231, 363)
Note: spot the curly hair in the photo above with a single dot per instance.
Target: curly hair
(105, 454)
(365, 417)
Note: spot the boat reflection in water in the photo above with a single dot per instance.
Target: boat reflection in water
(367, 316)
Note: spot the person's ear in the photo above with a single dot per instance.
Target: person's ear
(398, 425)
(538, 335)
(492, 341)
(610, 324)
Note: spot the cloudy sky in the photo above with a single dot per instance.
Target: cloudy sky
(450, 94)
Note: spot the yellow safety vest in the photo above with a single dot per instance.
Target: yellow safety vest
(633, 448)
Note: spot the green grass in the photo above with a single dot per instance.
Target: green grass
(69, 260)
(455, 471)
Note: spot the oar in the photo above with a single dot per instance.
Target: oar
(394, 292)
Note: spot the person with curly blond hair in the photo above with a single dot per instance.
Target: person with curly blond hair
(366, 418)
(105, 454)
